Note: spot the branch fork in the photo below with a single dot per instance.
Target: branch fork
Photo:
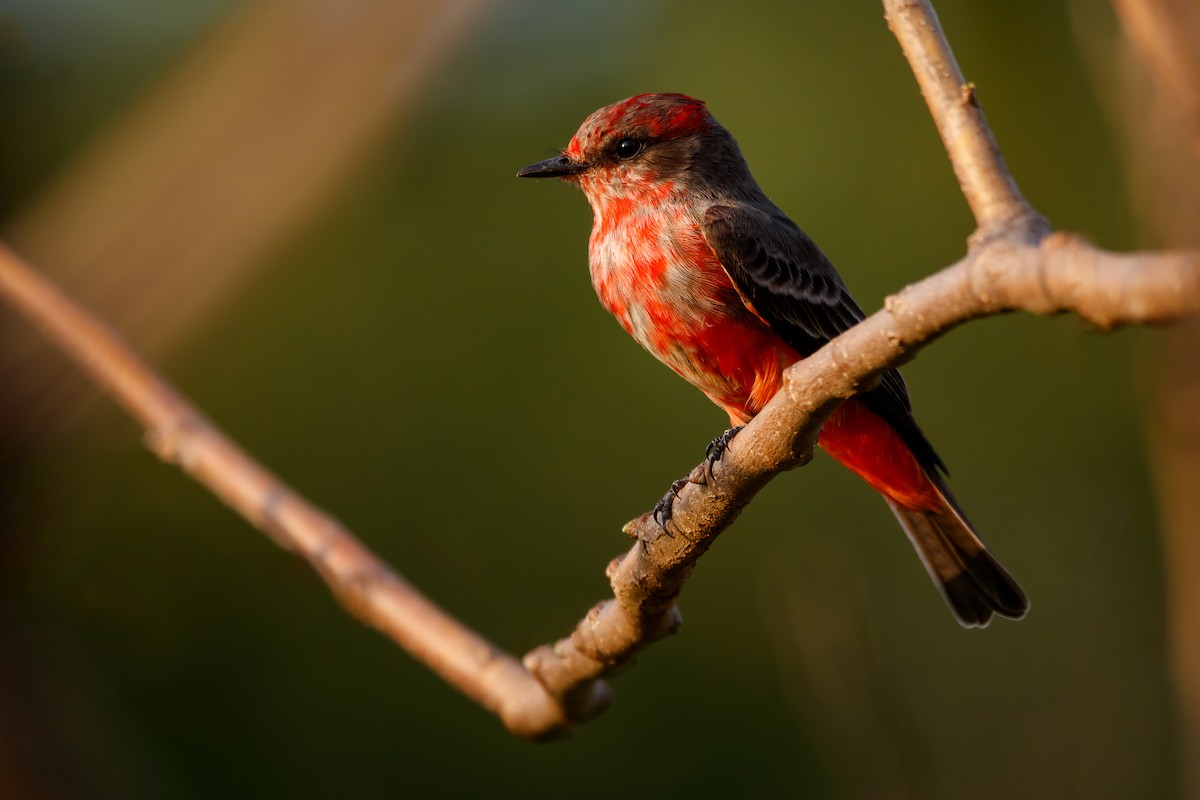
(1014, 262)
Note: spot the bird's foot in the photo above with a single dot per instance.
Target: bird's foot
(717, 447)
(666, 506)
(664, 510)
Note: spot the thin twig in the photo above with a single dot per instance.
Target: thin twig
(982, 174)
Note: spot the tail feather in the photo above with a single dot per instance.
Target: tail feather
(973, 583)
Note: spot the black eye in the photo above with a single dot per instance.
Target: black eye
(628, 148)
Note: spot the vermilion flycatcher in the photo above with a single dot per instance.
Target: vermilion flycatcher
(717, 283)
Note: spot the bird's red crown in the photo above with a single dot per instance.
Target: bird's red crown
(657, 116)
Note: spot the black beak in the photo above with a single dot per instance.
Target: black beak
(557, 167)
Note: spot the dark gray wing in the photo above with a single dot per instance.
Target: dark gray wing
(788, 282)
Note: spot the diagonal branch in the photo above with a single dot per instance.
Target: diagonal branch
(982, 174)
(1013, 264)
(1061, 273)
(369, 589)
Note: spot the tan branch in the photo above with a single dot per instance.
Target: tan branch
(1061, 273)
(1165, 33)
(367, 587)
(1014, 266)
(1166, 36)
(982, 174)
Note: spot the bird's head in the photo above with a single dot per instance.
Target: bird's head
(641, 147)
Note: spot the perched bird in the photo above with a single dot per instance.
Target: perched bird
(715, 281)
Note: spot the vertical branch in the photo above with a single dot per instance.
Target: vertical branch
(1166, 36)
(1175, 446)
(1165, 33)
(982, 174)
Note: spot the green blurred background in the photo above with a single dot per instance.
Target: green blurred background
(419, 350)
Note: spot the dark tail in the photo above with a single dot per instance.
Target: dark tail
(973, 583)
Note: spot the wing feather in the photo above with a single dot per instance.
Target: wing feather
(788, 282)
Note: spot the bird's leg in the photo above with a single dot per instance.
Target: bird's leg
(666, 506)
(717, 447)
